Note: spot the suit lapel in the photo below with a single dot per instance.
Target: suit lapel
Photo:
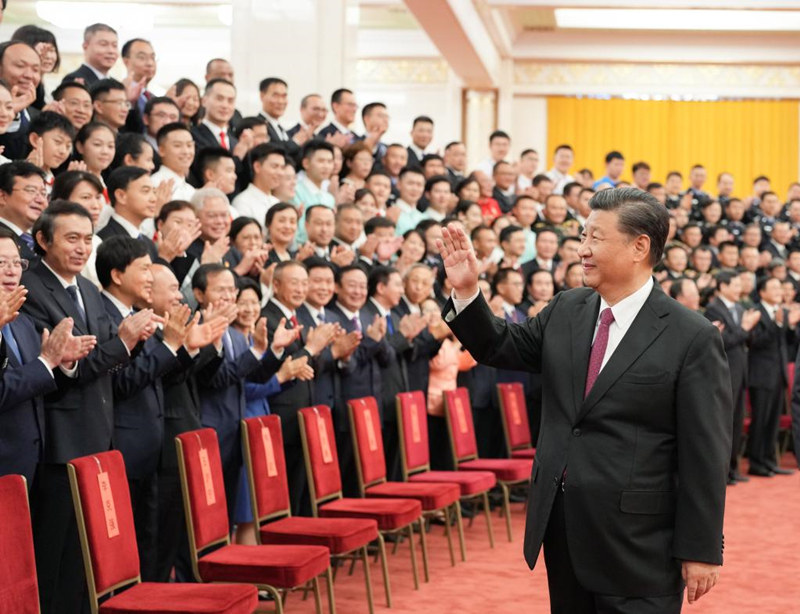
(644, 330)
(62, 298)
(581, 332)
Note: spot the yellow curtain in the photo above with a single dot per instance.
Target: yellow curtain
(747, 138)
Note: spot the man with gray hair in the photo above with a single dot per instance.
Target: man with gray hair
(100, 53)
(312, 113)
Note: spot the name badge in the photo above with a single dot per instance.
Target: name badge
(460, 416)
(416, 435)
(324, 442)
(372, 441)
(110, 512)
(208, 480)
(269, 452)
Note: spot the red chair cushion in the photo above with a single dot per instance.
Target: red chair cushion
(389, 513)
(505, 469)
(209, 509)
(512, 404)
(18, 589)
(470, 482)
(111, 534)
(524, 453)
(414, 421)
(431, 496)
(265, 443)
(462, 429)
(278, 566)
(785, 422)
(327, 479)
(158, 598)
(339, 535)
(368, 440)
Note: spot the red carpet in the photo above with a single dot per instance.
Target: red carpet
(761, 572)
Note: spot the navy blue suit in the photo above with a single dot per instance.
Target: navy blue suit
(22, 387)
(327, 388)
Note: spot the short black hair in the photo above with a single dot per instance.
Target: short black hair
(410, 169)
(315, 145)
(379, 275)
(47, 121)
(347, 269)
(640, 166)
(46, 222)
(246, 283)
(501, 275)
(422, 119)
(498, 134)
(506, 233)
(336, 97)
(676, 287)
(760, 178)
(87, 130)
(210, 85)
(571, 186)
(126, 48)
(128, 143)
(265, 84)
(436, 179)
(171, 207)
(639, 214)
(539, 179)
(66, 182)
(17, 168)
(58, 93)
(614, 155)
(168, 129)
(276, 209)
(368, 108)
(374, 223)
(307, 213)
(121, 178)
(428, 157)
(239, 224)
(315, 262)
(261, 152)
(727, 244)
(104, 86)
(116, 254)
(208, 157)
(148, 107)
(204, 271)
(762, 282)
(726, 276)
(562, 146)
(248, 123)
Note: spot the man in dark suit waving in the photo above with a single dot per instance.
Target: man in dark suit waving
(628, 487)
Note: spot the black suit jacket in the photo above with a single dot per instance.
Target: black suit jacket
(326, 385)
(22, 389)
(24, 251)
(418, 357)
(291, 148)
(80, 414)
(768, 355)
(413, 160)
(505, 202)
(82, 72)
(734, 339)
(115, 229)
(646, 452)
(203, 138)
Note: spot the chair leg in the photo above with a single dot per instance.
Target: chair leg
(317, 598)
(423, 540)
(385, 569)
(277, 598)
(413, 556)
(507, 510)
(449, 535)
(487, 511)
(367, 579)
(331, 600)
(460, 529)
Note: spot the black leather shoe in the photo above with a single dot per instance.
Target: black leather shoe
(759, 472)
(740, 478)
(778, 471)
(732, 481)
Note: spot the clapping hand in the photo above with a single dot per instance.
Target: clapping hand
(213, 252)
(60, 347)
(377, 329)
(260, 337)
(206, 333)
(342, 256)
(459, 259)
(175, 242)
(178, 325)
(321, 337)
(284, 337)
(750, 318)
(138, 327)
(344, 345)
(10, 302)
(295, 368)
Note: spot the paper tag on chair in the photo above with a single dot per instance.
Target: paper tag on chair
(372, 441)
(324, 442)
(416, 435)
(208, 480)
(269, 452)
(514, 409)
(460, 416)
(106, 496)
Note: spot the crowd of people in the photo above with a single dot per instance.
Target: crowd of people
(168, 264)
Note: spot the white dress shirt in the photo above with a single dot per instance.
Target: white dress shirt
(254, 202)
(216, 130)
(181, 190)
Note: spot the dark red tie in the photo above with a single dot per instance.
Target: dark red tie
(222, 140)
(294, 321)
(598, 349)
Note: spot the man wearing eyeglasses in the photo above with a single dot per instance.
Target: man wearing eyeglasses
(76, 103)
(23, 197)
(111, 105)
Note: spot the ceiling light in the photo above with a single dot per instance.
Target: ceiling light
(678, 19)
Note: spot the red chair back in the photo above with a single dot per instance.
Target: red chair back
(412, 416)
(102, 500)
(365, 421)
(203, 487)
(459, 422)
(319, 444)
(18, 587)
(266, 466)
(515, 415)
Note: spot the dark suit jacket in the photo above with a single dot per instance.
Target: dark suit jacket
(24, 251)
(768, 354)
(646, 452)
(291, 148)
(139, 401)
(82, 72)
(115, 229)
(16, 143)
(326, 386)
(79, 415)
(361, 376)
(418, 358)
(22, 389)
(413, 160)
(290, 399)
(331, 129)
(505, 202)
(734, 339)
(203, 138)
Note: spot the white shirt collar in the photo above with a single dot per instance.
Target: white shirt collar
(123, 309)
(626, 309)
(284, 309)
(411, 306)
(420, 153)
(726, 302)
(168, 173)
(215, 130)
(403, 205)
(60, 279)
(347, 313)
(97, 73)
(132, 230)
(315, 313)
(16, 229)
(340, 127)
(310, 184)
(381, 309)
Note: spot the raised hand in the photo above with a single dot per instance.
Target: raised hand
(164, 192)
(77, 165)
(388, 248)
(345, 345)
(306, 251)
(460, 262)
(22, 96)
(260, 337)
(36, 157)
(138, 327)
(342, 256)
(213, 252)
(177, 326)
(412, 325)
(10, 302)
(321, 337)
(377, 329)
(206, 333)
(284, 337)
(750, 318)
(175, 242)
(54, 343)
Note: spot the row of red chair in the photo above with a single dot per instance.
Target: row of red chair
(292, 552)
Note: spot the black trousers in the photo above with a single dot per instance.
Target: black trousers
(59, 563)
(296, 476)
(144, 501)
(347, 464)
(567, 596)
(391, 451)
(738, 426)
(767, 405)
(441, 456)
(173, 542)
(489, 432)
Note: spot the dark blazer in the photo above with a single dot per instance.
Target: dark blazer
(16, 143)
(331, 129)
(646, 451)
(80, 418)
(84, 73)
(22, 389)
(291, 148)
(413, 160)
(418, 358)
(326, 387)
(290, 399)
(115, 229)
(505, 202)
(203, 138)
(139, 401)
(361, 376)
(768, 352)
(734, 339)
(24, 251)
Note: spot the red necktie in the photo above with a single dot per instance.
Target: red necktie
(598, 350)
(294, 321)
(222, 140)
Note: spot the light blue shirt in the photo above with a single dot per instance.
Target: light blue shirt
(307, 194)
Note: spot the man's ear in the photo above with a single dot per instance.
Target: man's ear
(641, 245)
(34, 139)
(199, 295)
(116, 277)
